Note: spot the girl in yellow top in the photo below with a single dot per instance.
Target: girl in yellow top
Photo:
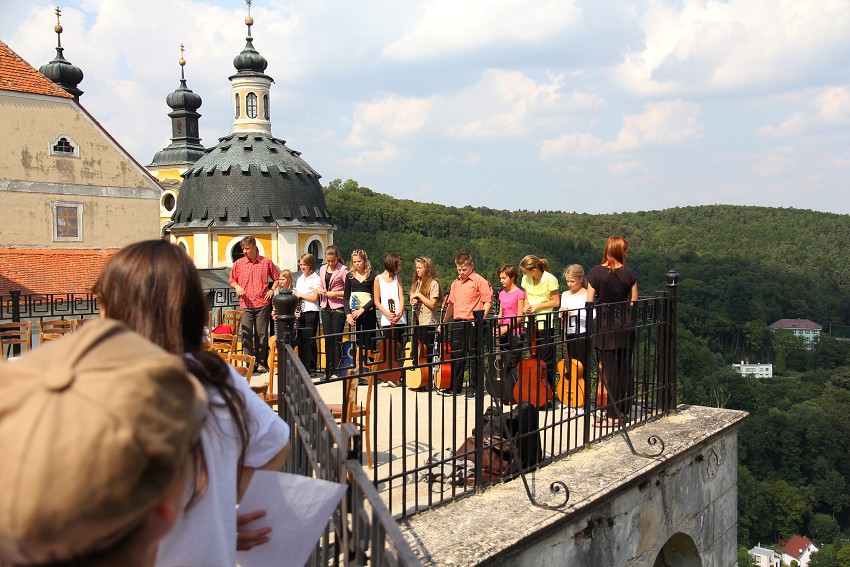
(541, 299)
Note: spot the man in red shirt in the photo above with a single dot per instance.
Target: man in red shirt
(470, 292)
(250, 278)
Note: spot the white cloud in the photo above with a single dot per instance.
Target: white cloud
(389, 117)
(707, 45)
(778, 162)
(372, 158)
(666, 123)
(821, 107)
(446, 27)
(626, 168)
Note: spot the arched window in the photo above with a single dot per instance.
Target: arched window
(315, 248)
(64, 146)
(251, 105)
(238, 107)
(266, 106)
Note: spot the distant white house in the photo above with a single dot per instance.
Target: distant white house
(766, 557)
(798, 549)
(756, 370)
(809, 330)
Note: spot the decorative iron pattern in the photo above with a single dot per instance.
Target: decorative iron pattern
(362, 530)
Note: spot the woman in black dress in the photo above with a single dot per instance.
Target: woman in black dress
(358, 303)
(613, 286)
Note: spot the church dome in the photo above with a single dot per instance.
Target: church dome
(249, 61)
(60, 70)
(183, 98)
(251, 179)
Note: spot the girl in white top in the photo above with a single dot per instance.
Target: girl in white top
(388, 293)
(574, 313)
(306, 289)
(241, 434)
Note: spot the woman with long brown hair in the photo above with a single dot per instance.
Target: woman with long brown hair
(425, 295)
(307, 288)
(154, 288)
(613, 286)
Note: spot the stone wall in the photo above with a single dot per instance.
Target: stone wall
(678, 509)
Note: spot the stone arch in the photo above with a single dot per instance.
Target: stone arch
(679, 551)
(317, 249)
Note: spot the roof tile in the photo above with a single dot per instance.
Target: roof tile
(18, 75)
(51, 271)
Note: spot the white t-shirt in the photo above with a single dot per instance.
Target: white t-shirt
(305, 285)
(205, 535)
(389, 290)
(576, 313)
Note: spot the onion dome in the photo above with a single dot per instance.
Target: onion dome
(60, 70)
(249, 61)
(185, 147)
(183, 98)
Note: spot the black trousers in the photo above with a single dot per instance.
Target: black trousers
(333, 323)
(255, 333)
(464, 344)
(306, 339)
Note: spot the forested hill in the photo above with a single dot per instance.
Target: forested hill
(737, 264)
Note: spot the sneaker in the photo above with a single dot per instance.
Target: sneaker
(470, 392)
(446, 392)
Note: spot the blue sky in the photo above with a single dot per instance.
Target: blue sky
(591, 106)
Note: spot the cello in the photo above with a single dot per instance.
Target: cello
(388, 350)
(531, 385)
(443, 372)
(417, 379)
(570, 387)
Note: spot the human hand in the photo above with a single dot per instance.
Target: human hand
(240, 291)
(248, 539)
(269, 294)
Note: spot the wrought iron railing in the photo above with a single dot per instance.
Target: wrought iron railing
(428, 447)
(362, 531)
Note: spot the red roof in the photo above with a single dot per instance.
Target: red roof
(795, 324)
(796, 546)
(18, 75)
(51, 271)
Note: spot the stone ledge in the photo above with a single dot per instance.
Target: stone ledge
(479, 529)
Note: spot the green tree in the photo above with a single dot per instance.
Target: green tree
(824, 527)
(745, 559)
(788, 508)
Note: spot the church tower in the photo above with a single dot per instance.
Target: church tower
(185, 149)
(60, 70)
(251, 183)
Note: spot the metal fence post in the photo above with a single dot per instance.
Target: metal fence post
(284, 303)
(16, 316)
(477, 371)
(672, 278)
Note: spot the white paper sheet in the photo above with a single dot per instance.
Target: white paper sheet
(298, 509)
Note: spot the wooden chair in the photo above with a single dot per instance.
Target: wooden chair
(244, 364)
(232, 318)
(12, 334)
(53, 329)
(223, 343)
(78, 323)
(359, 414)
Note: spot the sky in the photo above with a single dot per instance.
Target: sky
(596, 106)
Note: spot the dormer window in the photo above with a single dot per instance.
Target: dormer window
(65, 146)
(251, 105)
(266, 107)
(238, 106)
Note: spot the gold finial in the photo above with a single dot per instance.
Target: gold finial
(182, 61)
(249, 21)
(58, 27)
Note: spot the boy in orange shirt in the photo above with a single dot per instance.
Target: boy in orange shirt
(470, 292)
